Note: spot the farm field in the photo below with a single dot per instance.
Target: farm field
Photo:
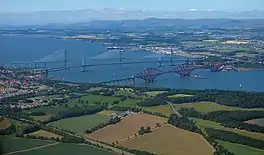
(179, 95)
(210, 124)
(67, 149)
(94, 98)
(10, 144)
(44, 133)
(170, 140)
(206, 107)
(129, 127)
(105, 112)
(49, 110)
(80, 124)
(163, 109)
(154, 93)
(41, 118)
(125, 92)
(259, 121)
(5, 123)
(129, 103)
(239, 149)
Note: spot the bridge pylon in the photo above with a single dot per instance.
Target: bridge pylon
(83, 69)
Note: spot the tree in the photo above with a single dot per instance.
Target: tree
(158, 125)
(148, 129)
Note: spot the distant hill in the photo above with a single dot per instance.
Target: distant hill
(180, 23)
(77, 16)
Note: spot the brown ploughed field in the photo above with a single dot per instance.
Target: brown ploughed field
(128, 127)
(170, 140)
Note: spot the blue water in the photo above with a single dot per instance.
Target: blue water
(34, 48)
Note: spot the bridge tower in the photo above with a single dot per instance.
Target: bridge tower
(35, 64)
(45, 63)
(160, 60)
(83, 64)
(27, 65)
(65, 58)
(120, 55)
(171, 57)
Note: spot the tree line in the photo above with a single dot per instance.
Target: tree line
(223, 97)
(234, 138)
(102, 125)
(152, 102)
(76, 112)
(231, 119)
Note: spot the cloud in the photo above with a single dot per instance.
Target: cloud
(193, 10)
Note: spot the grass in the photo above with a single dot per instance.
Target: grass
(125, 92)
(163, 109)
(41, 118)
(239, 149)
(129, 103)
(80, 124)
(92, 99)
(10, 144)
(210, 124)
(5, 123)
(68, 149)
(179, 95)
(44, 133)
(129, 126)
(49, 110)
(154, 93)
(105, 112)
(20, 126)
(94, 89)
(206, 107)
(259, 122)
(170, 140)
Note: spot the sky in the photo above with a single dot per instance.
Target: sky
(151, 5)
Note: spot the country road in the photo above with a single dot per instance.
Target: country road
(174, 110)
(117, 150)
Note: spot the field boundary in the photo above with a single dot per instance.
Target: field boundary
(31, 149)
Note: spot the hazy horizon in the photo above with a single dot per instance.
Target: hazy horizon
(14, 6)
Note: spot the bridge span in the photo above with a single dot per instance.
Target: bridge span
(183, 70)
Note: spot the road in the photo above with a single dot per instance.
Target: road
(174, 110)
(119, 151)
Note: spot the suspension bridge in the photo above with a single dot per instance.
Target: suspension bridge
(148, 75)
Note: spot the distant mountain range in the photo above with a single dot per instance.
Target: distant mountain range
(77, 16)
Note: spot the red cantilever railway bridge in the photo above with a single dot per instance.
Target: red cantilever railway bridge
(183, 70)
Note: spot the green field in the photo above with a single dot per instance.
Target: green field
(239, 149)
(80, 124)
(10, 144)
(154, 93)
(206, 107)
(50, 110)
(125, 92)
(20, 126)
(87, 100)
(259, 122)
(129, 103)
(163, 109)
(179, 95)
(67, 149)
(91, 99)
(210, 124)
